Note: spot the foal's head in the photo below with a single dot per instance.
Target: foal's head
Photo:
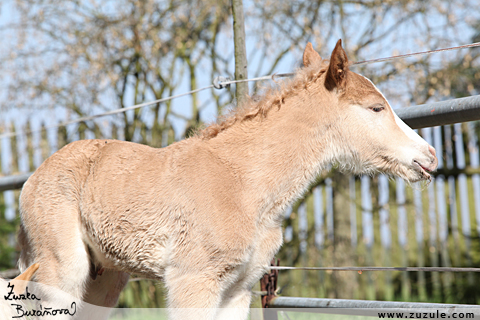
(369, 137)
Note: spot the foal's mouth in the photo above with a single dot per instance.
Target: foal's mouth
(424, 171)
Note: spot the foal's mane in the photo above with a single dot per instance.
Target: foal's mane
(274, 95)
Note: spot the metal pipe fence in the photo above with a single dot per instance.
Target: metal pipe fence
(14, 181)
(299, 302)
(441, 113)
(368, 308)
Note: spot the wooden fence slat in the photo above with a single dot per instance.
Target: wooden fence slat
(419, 237)
(367, 216)
(36, 145)
(402, 229)
(462, 181)
(452, 194)
(433, 222)
(418, 204)
(385, 233)
(440, 184)
(329, 215)
(442, 209)
(302, 236)
(302, 226)
(44, 142)
(318, 217)
(288, 235)
(367, 227)
(353, 211)
(6, 155)
(384, 213)
(475, 163)
(22, 153)
(53, 137)
(402, 223)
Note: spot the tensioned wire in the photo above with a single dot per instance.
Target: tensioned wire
(14, 273)
(361, 269)
(219, 84)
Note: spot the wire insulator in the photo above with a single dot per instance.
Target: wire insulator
(218, 82)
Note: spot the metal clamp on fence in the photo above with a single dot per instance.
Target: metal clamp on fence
(218, 82)
(268, 284)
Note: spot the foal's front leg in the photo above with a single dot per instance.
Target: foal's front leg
(235, 305)
(193, 295)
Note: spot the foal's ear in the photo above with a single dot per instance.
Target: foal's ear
(310, 55)
(337, 70)
(20, 287)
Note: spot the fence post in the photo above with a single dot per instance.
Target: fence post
(240, 51)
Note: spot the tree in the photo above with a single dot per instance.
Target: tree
(92, 56)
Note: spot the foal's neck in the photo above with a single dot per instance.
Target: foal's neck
(278, 156)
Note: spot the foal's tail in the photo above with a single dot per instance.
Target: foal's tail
(25, 254)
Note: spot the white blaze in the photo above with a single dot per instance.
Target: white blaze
(406, 129)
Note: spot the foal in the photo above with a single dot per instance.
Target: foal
(205, 214)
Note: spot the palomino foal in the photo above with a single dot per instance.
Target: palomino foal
(205, 214)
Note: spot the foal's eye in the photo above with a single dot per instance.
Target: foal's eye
(377, 108)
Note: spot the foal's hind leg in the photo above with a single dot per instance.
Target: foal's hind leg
(62, 276)
(51, 237)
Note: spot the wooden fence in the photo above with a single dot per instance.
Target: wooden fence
(348, 221)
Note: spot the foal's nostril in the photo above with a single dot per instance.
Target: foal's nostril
(432, 151)
(434, 161)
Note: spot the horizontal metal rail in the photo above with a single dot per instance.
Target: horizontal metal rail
(441, 113)
(421, 116)
(14, 181)
(365, 307)
(9, 274)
